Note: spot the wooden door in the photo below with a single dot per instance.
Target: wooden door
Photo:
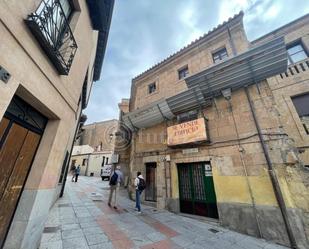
(16, 154)
(150, 191)
(196, 189)
(20, 131)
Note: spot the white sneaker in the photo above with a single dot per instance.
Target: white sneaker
(139, 212)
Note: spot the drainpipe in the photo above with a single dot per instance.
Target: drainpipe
(67, 167)
(231, 41)
(86, 172)
(273, 177)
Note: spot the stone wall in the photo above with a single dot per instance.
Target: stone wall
(245, 194)
(100, 135)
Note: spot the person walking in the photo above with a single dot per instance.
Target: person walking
(77, 172)
(73, 172)
(116, 179)
(139, 187)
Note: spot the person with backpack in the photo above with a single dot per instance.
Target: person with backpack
(116, 179)
(140, 185)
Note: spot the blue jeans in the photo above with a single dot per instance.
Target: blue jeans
(138, 199)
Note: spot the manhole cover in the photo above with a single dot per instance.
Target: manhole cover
(51, 229)
(213, 230)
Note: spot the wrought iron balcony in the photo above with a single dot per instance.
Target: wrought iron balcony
(49, 24)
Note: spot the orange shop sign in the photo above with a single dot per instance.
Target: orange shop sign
(188, 132)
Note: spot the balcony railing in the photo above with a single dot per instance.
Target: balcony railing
(295, 69)
(50, 26)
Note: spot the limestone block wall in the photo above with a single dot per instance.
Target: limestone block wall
(198, 58)
(245, 195)
(97, 135)
(242, 184)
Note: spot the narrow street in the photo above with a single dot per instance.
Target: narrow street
(83, 220)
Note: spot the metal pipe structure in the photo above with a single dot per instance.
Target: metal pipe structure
(254, 65)
(273, 177)
(69, 158)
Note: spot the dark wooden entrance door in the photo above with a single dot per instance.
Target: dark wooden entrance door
(196, 189)
(18, 145)
(150, 191)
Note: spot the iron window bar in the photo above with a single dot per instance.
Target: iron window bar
(50, 26)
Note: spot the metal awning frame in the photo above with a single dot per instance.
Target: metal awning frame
(245, 69)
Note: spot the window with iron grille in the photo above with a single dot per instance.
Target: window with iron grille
(302, 108)
(220, 55)
(152, 87)
(50, 26)
(296, 52)
(183, 72)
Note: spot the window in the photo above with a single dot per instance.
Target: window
(84, 162)
(220, 55)
(152, 88)
(65, 9)
(296, 52)
(183, 73)
(106, 160)
(50, 25)
(302, 108)
(103, 161)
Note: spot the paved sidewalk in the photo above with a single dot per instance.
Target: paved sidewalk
(82, 220)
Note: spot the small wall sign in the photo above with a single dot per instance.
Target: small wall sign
(190, 151)
(208, 171)
(4, 75)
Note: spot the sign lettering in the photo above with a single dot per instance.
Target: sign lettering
(188, 132)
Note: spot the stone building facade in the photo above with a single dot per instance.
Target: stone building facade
(47, 69)
(99, 136)
(250, 171)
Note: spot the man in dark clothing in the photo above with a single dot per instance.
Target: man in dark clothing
(138, 192)
(114, 186)
(77, 172)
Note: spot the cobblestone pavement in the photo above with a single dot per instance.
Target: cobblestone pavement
(83, 220)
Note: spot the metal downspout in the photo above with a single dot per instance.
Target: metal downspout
(231, 41)
(69, 158)
(273, 177)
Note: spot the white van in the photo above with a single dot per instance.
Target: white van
(106, 171)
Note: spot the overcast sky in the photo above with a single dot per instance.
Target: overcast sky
(144, 32)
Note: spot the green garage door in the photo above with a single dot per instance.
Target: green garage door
(196, 189)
